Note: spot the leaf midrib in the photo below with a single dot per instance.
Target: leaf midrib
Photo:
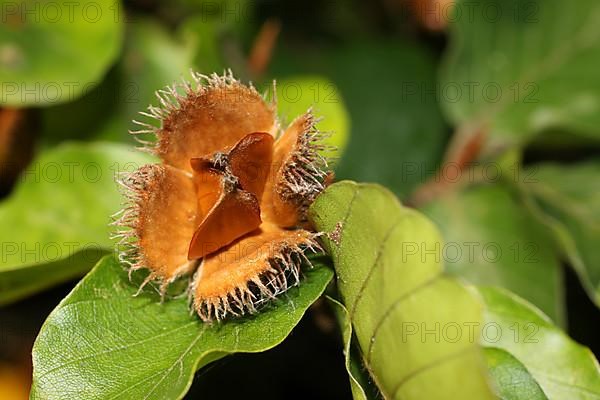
(112, 350)
(179, 360)
(367, 280)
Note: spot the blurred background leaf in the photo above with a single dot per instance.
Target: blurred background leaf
(397, 133)
(56, 222)
(518, 67)
(203, 36)
(152, 59)
(297, 94)
(490, 239)
(54, 52)
(563, 368)
(569, 202)
(511, 377)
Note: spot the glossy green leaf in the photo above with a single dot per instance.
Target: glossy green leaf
(491, 239)
(511, 378)
(55, 224)
(53, 52)
(401, 305)
(296, 94)
(520, 67)
(389, 88)
(101, 342)
(569, 203)
(562, 368)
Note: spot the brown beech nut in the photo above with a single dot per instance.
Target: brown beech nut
(228, 201)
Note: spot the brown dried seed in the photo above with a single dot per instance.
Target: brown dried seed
(236, 214)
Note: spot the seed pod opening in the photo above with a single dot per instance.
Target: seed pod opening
(228, 201)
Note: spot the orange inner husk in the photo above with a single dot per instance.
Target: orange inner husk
(218, 201)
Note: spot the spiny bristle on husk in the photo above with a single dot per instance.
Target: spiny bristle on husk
(306, 169)
(299, 173)
(172, 98)
(208, 131)
(132, 187)
(151, 234)
(281, 272)
(200, 118)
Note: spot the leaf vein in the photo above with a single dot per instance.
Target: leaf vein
(367, 279)
(76, 360)
(392, 307)
(179, 360)
(431, 364)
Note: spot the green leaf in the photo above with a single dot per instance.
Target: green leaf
(57, 219)
(101, 342)
(359, 383)
(152, 58)
(54, 52)
(561, 367)
(491, 239)
(296, 94)
(87, 117)
(203, 36)
(569, 203)
(521, 67)
(511, 377)
(399, 301)
(397, 130)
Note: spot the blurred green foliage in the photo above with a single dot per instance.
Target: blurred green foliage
(296, 95)
(515, 91)
(393, 129)
(500, 245)
(59, 215)
(52, 52)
